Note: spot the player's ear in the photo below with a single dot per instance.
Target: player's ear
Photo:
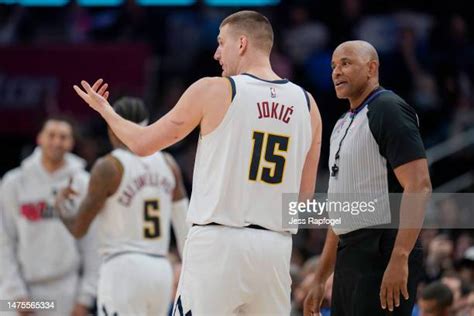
(243, 44)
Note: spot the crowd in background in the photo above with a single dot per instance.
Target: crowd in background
(426, 55)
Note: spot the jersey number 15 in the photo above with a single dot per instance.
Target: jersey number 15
(273, 146)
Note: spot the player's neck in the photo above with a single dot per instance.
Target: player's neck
(51, 166)
(259, 67)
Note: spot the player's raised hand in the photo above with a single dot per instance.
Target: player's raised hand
(96, 96)
(312, 303)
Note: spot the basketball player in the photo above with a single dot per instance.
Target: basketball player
(260, 137)
(135, 199)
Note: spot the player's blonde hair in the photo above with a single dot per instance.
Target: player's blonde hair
(254, 25)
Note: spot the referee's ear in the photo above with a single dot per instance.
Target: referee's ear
(374, 69)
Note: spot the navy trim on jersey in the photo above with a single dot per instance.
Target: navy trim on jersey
(280, 81)
(179, 306)
(367, 100)
(232, 84)
(307, 99)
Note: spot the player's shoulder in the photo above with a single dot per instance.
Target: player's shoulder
(310, 97)
(210, 91)
(207, 83)
(107, 166)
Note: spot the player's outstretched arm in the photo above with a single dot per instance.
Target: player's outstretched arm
(168, 130)
(106, 175)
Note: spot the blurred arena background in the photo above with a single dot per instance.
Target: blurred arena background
(155, 48)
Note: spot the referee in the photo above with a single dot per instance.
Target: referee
(375, 148)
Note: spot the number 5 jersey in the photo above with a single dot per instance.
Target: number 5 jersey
(136, 218)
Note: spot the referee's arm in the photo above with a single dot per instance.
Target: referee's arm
(395, 127)
(414, 178)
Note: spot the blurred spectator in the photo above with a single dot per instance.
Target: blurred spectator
(10, 18)
(436, 300)
(304, 36)
(40, 260)
(380, 31)
(439, 259)
(466, 266)
(305, 281)
(454, 283)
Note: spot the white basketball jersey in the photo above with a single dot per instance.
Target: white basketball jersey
(255, 155)
(137, 217)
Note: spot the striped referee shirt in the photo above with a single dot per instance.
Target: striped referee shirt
(366, 145)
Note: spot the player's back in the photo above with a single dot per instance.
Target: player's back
(256, 154)
(136, 218)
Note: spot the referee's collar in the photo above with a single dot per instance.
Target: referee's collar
(361, 106)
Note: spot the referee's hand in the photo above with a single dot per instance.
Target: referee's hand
(312, 303)
(394, 282)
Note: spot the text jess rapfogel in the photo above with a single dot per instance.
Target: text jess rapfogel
(315, 221)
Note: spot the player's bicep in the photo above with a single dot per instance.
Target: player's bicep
(183, 118)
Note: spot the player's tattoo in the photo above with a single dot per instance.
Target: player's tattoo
(179, 123)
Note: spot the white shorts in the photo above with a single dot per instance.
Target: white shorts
(234, 271)
(135, 284)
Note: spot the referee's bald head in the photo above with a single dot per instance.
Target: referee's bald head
(363, 49)
(360, 52)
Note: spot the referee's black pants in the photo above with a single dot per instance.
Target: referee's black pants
(362, 257)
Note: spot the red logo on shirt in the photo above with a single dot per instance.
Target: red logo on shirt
(33, 211)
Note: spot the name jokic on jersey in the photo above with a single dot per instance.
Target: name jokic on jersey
(274, 110)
